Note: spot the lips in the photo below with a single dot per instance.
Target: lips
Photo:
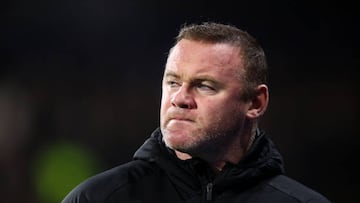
(175, 116)
(180, 119)
(175, 124)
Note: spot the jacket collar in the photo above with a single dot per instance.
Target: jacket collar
(262, 161)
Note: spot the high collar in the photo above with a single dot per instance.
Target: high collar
(261, 161)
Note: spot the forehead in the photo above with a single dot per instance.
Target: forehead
(216, 53)
(195, 56)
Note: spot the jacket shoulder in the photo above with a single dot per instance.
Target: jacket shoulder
(100, 187)
(296, 190)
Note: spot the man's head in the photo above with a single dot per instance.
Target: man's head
(254, 65)
(213, 90)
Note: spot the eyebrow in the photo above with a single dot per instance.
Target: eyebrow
(171, 74)
(198, 79)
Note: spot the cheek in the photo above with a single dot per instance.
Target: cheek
(209, 109)
(215, 104)
(219, 110)
(165, 103)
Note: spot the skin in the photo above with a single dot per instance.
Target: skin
(202, 113)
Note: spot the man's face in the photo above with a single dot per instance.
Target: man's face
(201, 105)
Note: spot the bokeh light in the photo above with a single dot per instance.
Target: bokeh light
(59, 168)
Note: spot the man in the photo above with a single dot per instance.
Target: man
(208, 147)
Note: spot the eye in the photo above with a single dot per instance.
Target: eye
(172, 83)
(205, 87)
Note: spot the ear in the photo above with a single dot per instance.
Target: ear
(259, 103)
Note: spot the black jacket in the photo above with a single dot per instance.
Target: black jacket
(156, 175)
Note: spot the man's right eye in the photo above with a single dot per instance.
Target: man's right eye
(172, 83)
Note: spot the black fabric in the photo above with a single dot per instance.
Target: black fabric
(157, 175)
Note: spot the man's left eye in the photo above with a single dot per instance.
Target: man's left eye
(204, 87)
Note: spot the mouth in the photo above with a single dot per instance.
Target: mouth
(180, 119)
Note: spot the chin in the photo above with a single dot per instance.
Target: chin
(176, 140)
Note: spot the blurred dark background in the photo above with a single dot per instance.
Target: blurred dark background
(80, 87)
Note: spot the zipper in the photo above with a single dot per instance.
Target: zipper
(209, 188)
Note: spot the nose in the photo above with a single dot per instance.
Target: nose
(183, 99)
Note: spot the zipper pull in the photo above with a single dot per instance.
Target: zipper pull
(209, 188)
